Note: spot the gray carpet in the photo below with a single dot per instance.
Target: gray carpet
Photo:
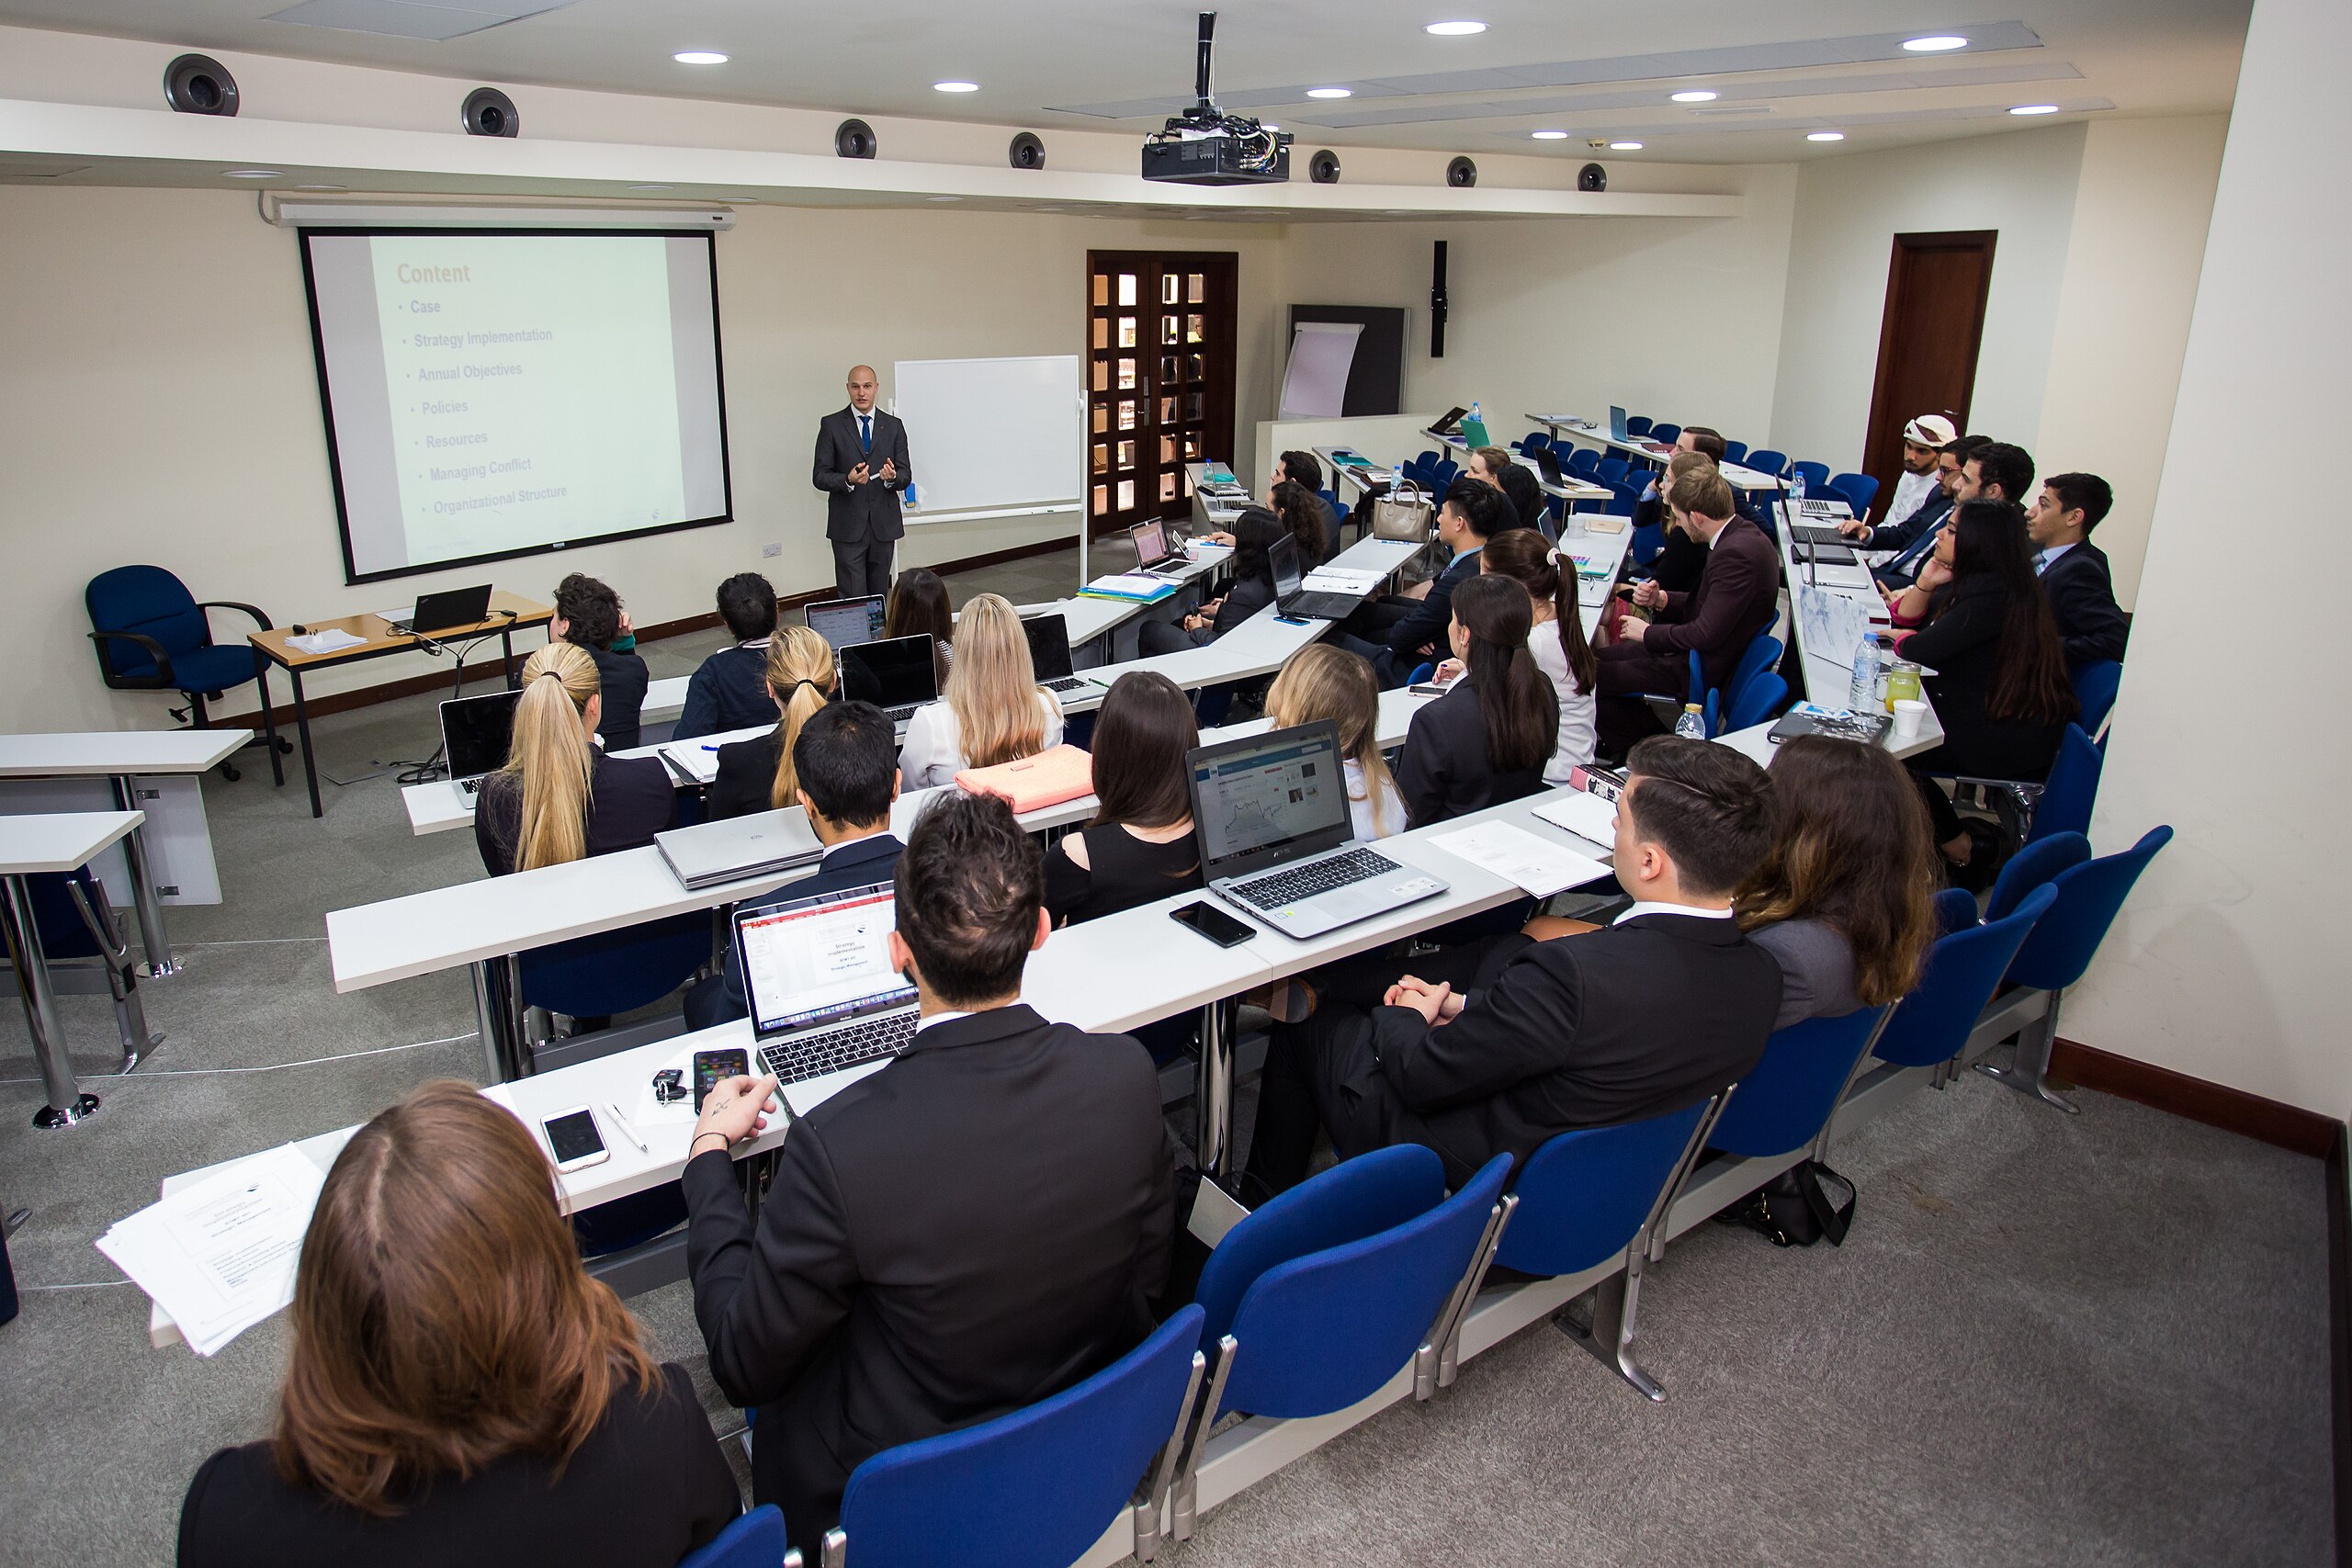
(2048, 1341)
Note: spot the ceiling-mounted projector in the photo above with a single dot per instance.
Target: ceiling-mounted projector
(1205, 146)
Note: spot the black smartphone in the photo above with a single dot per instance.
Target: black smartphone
(1213, 923)
(711, 1066)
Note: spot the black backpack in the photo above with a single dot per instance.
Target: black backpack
(1798, 1207)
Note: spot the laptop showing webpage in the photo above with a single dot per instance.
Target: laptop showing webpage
(843, 623)
(827, 1008)
(476, 735)
(896, 674)
(1049, 637)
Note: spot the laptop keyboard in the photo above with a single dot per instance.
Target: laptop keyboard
(832, 1050)
(1822, 508)
(1065, 683)
(1277, 888)
(471, 787)
(903, 713)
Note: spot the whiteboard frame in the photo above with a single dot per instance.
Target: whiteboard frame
(917, 515)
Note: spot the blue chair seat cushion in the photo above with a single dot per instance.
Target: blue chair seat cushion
(212, 669)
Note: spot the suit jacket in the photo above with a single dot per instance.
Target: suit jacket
(2082, 601)
(630, 800)
(981, 1224)
(1426, 622)
(870, 511)
(1680, 559)
(1911, 539)
(727, 691)
(1963, 644)
(1738, 597)
(1446, 772)
(1635, 1021)
(746, 773)
(855, 864)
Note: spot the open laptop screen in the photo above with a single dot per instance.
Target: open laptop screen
(843, 623)
(1049, 645)
(478, 732)
(890, 673)
(1151, 543)
(1281, 563)
(1272, 791)
(820, 960)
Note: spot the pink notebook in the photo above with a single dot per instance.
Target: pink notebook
(1034, 782)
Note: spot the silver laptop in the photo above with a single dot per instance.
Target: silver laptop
(711, 853)
(1153, 552)
(827, 1009)
(1272, 815)
(476, 735)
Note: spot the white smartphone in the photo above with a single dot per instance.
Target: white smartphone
(573, 1137)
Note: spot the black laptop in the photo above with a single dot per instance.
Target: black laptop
(1445, 426)
(1281, 557)
(445, 610)
(1049, 653)
(476, 735)
(894, 674)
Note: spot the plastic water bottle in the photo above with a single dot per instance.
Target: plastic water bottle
(1692, 724)
(1474, 415)
(1863, 698)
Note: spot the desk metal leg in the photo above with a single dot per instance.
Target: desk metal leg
(486, 1030)
(67, 1103)
(149, 903)
(303, 725)
(1212, 1092)
(269, 726)
(498, 1013)
(507, 645)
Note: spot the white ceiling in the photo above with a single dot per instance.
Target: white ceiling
(1594, 69)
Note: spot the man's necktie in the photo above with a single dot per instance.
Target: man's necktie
(865, 433)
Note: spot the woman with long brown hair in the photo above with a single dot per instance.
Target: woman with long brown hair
(458, 1391)
(559, 798)
(1301, 510)
(1556, 639)
(1487, 739)
(993, 710)
(756, 774)
(1140, 846)
(919, 605)
(1321, 680)
(1842, 898)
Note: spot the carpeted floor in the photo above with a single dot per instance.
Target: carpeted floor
(2052, 1340)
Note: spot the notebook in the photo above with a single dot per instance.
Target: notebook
(1063, 772)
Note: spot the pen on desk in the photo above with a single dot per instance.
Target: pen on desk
(627, 1130)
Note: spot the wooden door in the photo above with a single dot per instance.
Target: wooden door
(1159, 335)
(1928, 341)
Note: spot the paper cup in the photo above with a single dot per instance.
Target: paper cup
(1908, 712)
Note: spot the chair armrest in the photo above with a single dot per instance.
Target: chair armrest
(163, 679)
(259, 619)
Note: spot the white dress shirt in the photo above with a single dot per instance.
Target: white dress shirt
(2042, 560)
(1363, 824)
(1651, 907)
(933, 752)
(1578, 715)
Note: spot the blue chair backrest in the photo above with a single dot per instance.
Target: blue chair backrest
(2089, 897)
(1583, 1195)
(616, 971)
(1955, 910)
(1712, 711)
(1428, 459)
(1319, 1333)
(1860, 491)
(1036, 1486)
(149, 601)
(2033, 866)
(1964, 968)
(1637, 425)
(1698, 688)
(1648, 539)
(1535, 441)
(2095, 685)
(1815, 475)
(1763, 653)
(1355, 1199)
(1610, 470)
(1447, 472)
(1786, 1098)
(2067, 799)
(1765, 460)
(1667, 433)
(1735, 451)
(1757, 701)
(755, 1540)
(1584, 459)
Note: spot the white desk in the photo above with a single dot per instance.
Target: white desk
(1562, 427)
(1828, 680)
(120, 756)
(47, 843)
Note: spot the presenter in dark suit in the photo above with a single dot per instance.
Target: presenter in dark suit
(862, 466)
(979, 1225)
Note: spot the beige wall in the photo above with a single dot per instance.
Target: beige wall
(2227, 962)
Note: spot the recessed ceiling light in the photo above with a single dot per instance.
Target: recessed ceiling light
(954, 86)
(1624, 147)
(1330, 92)
(700, 57)
(1696, 96)
(653, 188)
(1454, 30)
(254, 173)
(1936, 43)
(321, 187)
(2035, 108)
(1825, 136)
(1549, 135)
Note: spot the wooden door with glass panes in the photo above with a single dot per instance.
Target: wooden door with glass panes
(1159, 334)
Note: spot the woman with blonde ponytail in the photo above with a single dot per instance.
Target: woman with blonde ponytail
(756, 774)
(559, 797)
(993, 711)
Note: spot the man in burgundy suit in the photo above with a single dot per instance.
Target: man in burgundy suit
(1738, 597)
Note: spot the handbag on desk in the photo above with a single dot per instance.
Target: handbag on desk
(1403, 514)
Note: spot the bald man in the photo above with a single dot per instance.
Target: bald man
(862, 466)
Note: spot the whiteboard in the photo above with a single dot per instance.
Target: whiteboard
(993, 433)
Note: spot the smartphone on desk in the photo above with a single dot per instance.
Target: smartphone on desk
(713, 1067)
(1213, 923)
(573, 1139)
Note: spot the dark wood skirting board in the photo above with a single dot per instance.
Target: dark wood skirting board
(2231, 1109)
(417, 685)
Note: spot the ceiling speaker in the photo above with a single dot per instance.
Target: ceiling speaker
(1462, 173)
(197, 84)
(1324, 168)
(1592, 177)
(1026, 151)
(854, 138)
(489, 112)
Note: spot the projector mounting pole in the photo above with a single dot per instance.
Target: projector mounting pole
(1201, 70)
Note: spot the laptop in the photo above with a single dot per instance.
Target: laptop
(1547, 463)
(895, 673)
(441, 612)
(843, 623)
(1820, 554)
(476, 735)
(1824, 539)
(1445, 426)
(1049, 653)
(1272, 813)
(827, 1008)
(1617, 423)
(1298, 603)
(711, 853)
(1154, 552)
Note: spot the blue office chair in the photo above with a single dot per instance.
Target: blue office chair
(1860, 491)
(1441, 478)
(1735, 451)
(1595, 1194)
(1814, 475)
(2055, 955)
(2034, 865)
(2072, 787)
(1763, 653)
(1761, 699)
(151, 636)
(1765, 461)
(755, 1540)
(1038, 1486)
(1584, 461)
(1931, 1026)
(78, 934)
(618, 970)
(2094, 686)
(1427, 460)
(1785, 1101)
(1533, 442)
(1612, 471)
(1698, 691)
(1637, 425)
(1648, 539)
(1664, 433)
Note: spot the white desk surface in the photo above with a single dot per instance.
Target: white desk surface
(1738, 475)
(60, 841)
(107, 754)
(665, 699)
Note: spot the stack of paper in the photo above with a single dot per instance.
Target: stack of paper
(1356, 581)
(219, 1255)
(1586, 815)
(1138, 586)
(334, 639)
(693, 760)
(1518, 855)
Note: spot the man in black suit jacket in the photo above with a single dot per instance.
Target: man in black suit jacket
(1398, 634)
(2073, 571)
(979, 1226)
(1661, 1010)
(862, 466)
